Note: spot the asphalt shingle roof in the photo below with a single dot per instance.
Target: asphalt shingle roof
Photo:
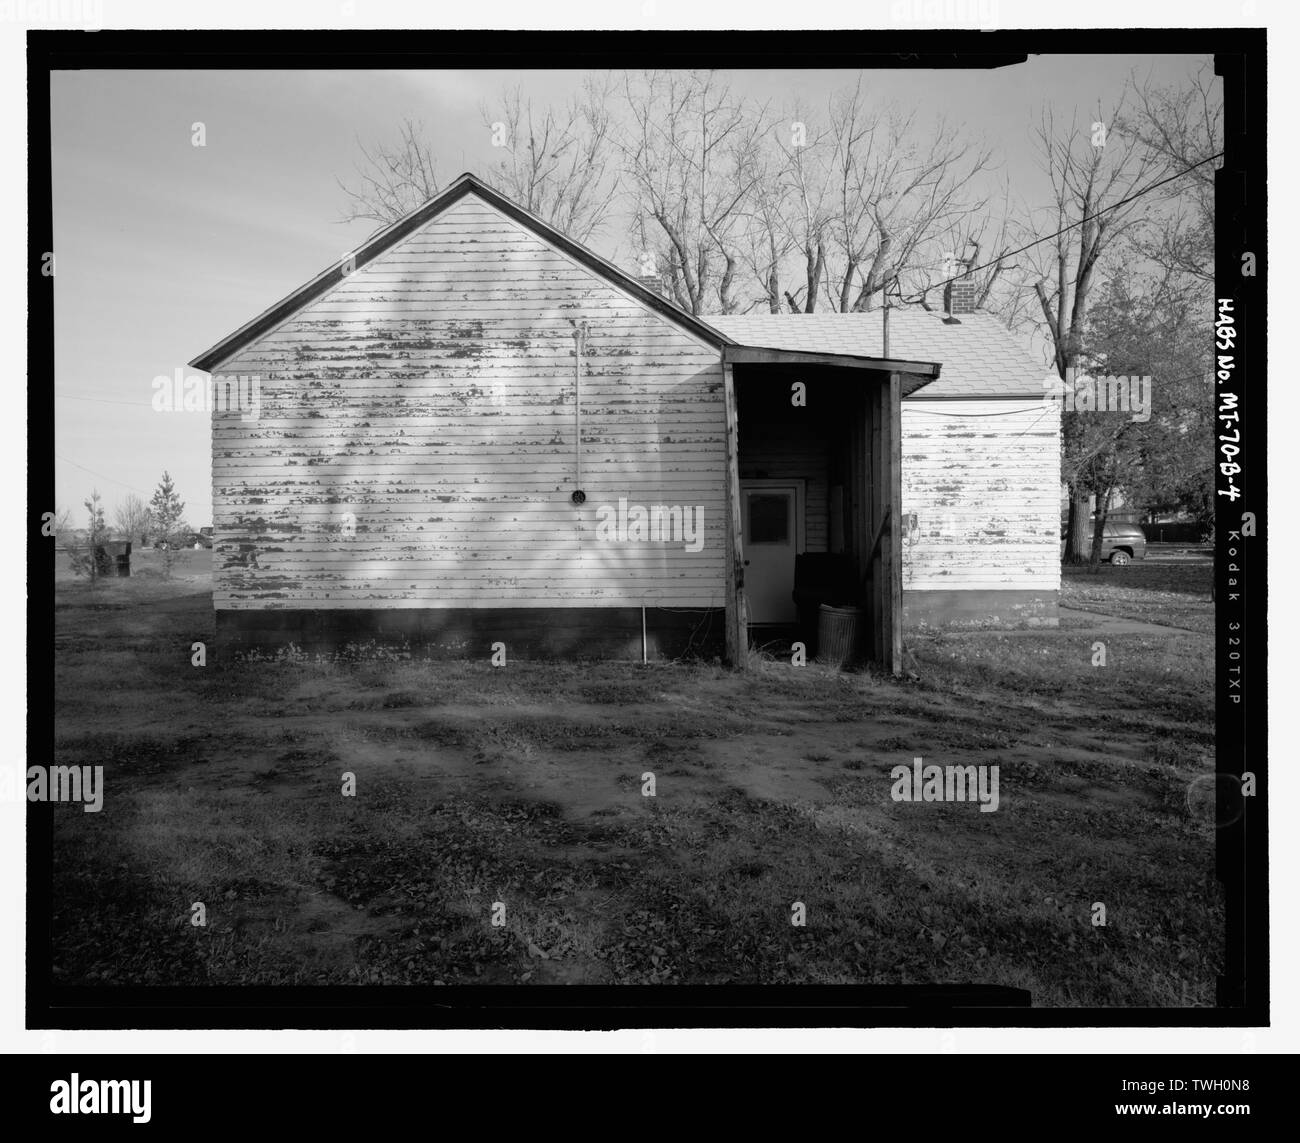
(980, 357)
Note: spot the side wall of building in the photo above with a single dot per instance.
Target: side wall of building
(414, 449)
(981, 534)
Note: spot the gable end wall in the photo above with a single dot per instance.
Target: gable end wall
(414, 446)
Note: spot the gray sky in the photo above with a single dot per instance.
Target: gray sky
(163, 248)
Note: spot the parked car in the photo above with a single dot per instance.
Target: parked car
(1122, 543)
(183, 540)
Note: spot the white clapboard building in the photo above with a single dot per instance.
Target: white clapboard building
(473, 430)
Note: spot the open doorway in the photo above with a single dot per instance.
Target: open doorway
(816, 495)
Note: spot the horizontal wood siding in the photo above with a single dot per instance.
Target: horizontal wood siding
(983, 478)
(415, 442)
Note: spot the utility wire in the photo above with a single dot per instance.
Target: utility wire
(97, 400)
(92, 472)
(1071, 226)
(1004, 413)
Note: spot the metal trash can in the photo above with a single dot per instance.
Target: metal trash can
(841, 635)
(113, 558)
(819, 577)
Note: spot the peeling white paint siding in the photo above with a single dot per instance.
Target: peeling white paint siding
(415, 446)
(986, 493)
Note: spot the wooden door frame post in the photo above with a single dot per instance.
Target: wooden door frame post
(737, 620)
(893, 563)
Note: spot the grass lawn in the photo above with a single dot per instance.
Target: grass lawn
(1172, 594)
(523, 785)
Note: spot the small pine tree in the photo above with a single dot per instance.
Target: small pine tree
(166, 511)
(85, 560)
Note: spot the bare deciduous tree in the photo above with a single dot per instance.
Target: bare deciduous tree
(839, 210)
(901, 189)
(394, 179)
(806, 206)
(559, 165)
(688, 156)
(767, 239)
(1091, 169)
(133, 519)
(1182, 131)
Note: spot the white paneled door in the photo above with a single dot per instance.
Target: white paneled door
(771, 524)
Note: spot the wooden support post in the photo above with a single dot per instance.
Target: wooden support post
(893, 549)
(878, 406)
(737, 619)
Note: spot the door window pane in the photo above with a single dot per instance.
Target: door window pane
(769, 518)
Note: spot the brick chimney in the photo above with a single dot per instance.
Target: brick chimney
(959, 296)
(653, 283)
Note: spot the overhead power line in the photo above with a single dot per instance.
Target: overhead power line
(92, 472)
(999, 413)
(97, 400)
(1088, 218)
